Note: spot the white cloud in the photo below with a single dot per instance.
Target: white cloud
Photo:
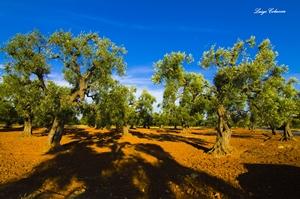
(140, 70)
(289, 75)
(58, 79)
(141, 83)
(1, 66)
(134, 81)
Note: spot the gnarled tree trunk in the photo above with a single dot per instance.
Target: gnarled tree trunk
(27, 126)
(222, 145)
(287, 132)
(56, 133)
(57, 128)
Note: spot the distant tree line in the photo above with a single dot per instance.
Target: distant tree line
(248, 90)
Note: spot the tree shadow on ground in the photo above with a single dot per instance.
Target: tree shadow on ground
(114, 173)
(195, 142)
(205, 133)
(271, 181)
(10, 129)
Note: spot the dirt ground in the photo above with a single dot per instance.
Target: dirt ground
(147, 163)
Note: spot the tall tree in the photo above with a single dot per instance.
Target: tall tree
(170, 72)
(239, 79)
(87, 59)
(193, 100)
(24, 73)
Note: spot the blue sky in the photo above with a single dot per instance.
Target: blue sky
(149, 29)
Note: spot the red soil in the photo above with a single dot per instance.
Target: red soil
(148, 164)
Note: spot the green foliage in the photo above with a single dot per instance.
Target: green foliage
(170, 72)
(144, 108)
(87, 59)
(114, 105)
(24, 72)
(277, 103)
(193, 101)
(54, 103)
(26, 55)
(170, 68)
(8, 112)
(249, 84)
(24, 97)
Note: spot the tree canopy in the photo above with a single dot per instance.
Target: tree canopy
(249, 87)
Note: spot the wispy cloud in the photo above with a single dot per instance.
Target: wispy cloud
(134, 80)
(290, 75)
(143, 83)
(58, 79)
(140, 70)
(143, 27)
(1, 66)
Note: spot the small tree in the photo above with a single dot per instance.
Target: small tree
(26, 99)
(144, 108)
(114, 105)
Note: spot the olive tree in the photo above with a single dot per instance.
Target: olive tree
(170, 72)
(193, 100)
(239, 80)
(114, 106)
(87, 59)
(24, 74)
(144, 108)
(8, 112)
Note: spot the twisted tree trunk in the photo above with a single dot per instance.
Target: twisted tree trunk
(27, 126)
(56, 133)
(287, 132)
(222, 145)
(57, 128)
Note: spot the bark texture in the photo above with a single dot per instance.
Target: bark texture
(57, 128)
(287, 133)
(222, 145)
(27, 126)
(56, 133)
